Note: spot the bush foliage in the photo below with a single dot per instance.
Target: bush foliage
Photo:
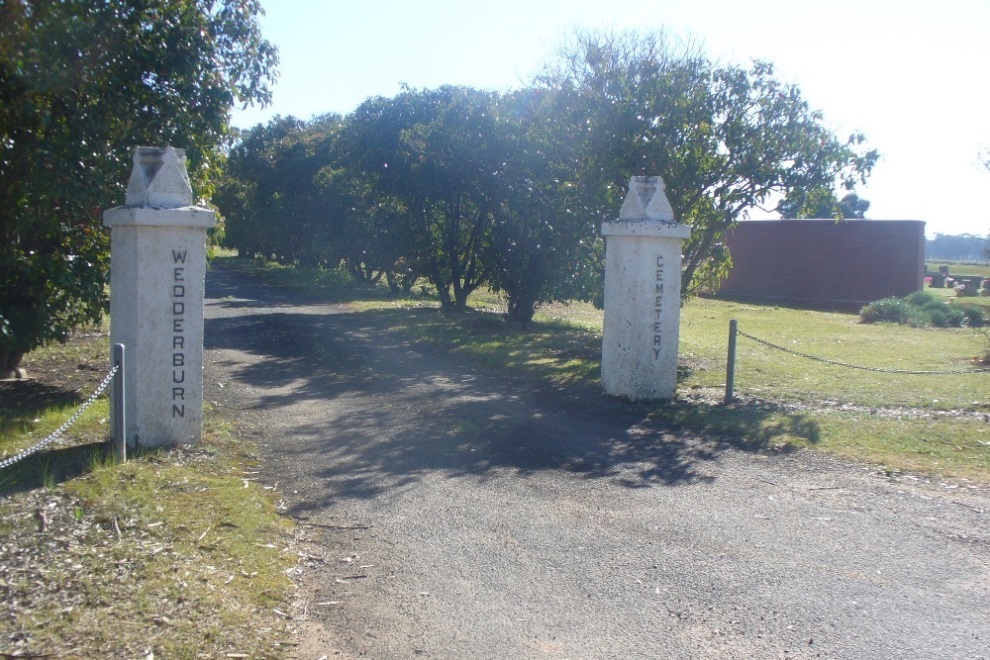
(922, 309)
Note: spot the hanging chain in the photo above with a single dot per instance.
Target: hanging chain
(7, 462)
(856, 366)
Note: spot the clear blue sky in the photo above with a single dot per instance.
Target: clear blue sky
(912, 75)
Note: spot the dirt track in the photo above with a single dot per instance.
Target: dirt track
(459, 513)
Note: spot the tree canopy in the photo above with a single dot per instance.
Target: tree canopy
(438, 152)
(958, 247)
(822, 203)
(726, 138)
(468, 187)
(82, 82)
(460, 186)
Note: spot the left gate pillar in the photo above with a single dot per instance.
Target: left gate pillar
(157, 282)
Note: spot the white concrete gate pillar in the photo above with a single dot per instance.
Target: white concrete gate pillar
(157, 281)
(642, 294)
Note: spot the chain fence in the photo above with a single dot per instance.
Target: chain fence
(731, 362)
(7, 462)
(837, 363)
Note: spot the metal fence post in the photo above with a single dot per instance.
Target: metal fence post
(730, 369)
(119, 416)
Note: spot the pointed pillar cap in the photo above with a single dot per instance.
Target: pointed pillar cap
(646, 200)
(159, 179)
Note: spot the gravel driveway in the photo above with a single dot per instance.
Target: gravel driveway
(454, 512)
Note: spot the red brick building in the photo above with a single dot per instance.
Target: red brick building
(824, 264)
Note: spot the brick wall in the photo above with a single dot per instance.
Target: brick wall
(825, 264)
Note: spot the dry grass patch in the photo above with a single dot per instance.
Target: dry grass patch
(179, 554)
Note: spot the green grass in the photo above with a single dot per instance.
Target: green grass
(956, 268)
(938, 446)
(32, 409)
(936, 424)
(211, 556)
(950, 296)
(24, 423)
(902, 421)
(171, 553)
(555, 351)
(330, 285)
(773, 374)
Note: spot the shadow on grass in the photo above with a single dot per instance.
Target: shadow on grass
(382, 398)
(748, 426)
(53, 466)
(21, 402)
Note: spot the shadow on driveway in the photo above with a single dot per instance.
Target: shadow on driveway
(371, 411)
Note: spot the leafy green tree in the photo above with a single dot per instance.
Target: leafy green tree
(726, 138)
(539, 231)
(82, 82)
(853, 206)
(288, 193)
(375, 231)
(269, 194)
(822, 203)
(244, 190)
(437, 153)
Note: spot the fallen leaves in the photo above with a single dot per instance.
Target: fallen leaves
(109, 579)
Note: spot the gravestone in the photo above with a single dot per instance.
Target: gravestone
(642, 294)
(971, 285)
(157, 281)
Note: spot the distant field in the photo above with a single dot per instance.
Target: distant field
(951, 296)
(956, 268)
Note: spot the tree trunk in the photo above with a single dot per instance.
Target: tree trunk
(10, 361)
(460, 297)
(521, 310)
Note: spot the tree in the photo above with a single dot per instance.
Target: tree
(82, 82)
(726, 138)
(268, 192)
(985, 162)
(957, 247)
(822, 203)
(438, 154)
(374, 229)
(289, 193)
(539, 230)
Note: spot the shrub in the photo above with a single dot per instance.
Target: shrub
(888, 310)
(922, 309)
(921, 299)
(976, 316)
(945, 316)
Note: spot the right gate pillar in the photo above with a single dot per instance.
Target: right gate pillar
(642, 294)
